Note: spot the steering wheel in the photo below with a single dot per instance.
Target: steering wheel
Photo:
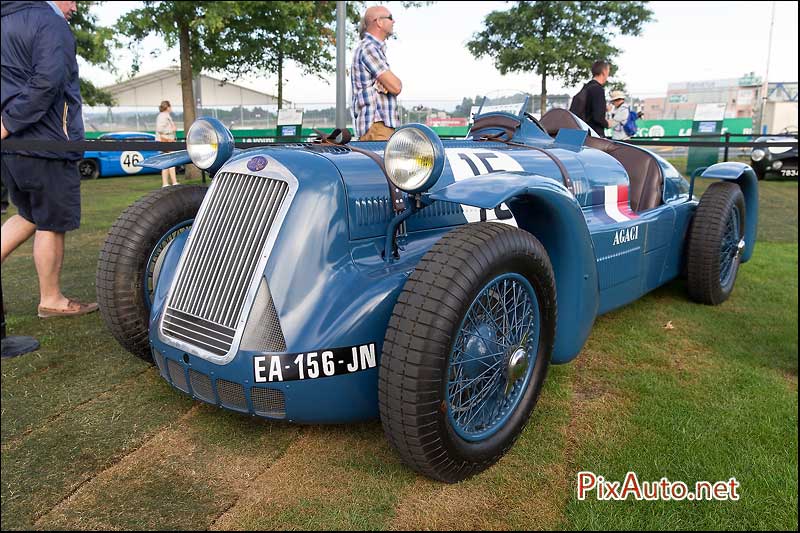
(533, 119)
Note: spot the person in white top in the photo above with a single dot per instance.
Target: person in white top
(165, 132)
(618, 115)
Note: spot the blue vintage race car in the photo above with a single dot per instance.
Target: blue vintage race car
(427, 282)
(96, 164)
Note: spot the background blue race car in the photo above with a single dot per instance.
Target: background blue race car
(97, 164)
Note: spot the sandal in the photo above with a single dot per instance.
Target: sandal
(74, 308)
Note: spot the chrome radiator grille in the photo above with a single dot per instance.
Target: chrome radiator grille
(219, 264)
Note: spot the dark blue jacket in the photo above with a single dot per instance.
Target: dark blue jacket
(40, 90)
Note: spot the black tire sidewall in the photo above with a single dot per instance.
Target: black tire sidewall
(413, 377)
(124, 258)
(94, 166)
(503, 439)
(708, 230)
(738, 201)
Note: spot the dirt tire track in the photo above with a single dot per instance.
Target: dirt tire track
(337, 467)
(195, 457)
(516, 493)
(14, 442)
(111, 467)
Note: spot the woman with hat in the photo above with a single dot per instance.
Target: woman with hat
(618, 115)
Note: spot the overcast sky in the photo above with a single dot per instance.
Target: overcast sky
(687, 41)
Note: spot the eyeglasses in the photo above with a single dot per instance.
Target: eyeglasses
(386, 17)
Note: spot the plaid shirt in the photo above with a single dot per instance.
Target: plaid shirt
(369, 105)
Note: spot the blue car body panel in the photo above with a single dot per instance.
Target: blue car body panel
(123, 163)
(334, 292)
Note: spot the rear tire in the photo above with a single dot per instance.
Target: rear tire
(89, 169)
(715, 244)
(482, 298)
(123, 269)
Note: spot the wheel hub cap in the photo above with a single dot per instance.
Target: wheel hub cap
(517, 368)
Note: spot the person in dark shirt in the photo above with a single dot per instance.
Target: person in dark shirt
(594, 96)
(596, 105)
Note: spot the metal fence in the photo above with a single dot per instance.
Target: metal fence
(431, 111)
(315, 115)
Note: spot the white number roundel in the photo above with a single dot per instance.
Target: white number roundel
(128, 161)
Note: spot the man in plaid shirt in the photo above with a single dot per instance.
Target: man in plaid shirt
(374, 86)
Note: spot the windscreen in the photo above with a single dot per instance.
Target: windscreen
(514, 104)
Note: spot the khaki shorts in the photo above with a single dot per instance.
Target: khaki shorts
(377, 132)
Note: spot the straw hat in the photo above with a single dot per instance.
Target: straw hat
(617, 95)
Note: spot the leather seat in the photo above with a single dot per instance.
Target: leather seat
(555, 119)
(644, 172)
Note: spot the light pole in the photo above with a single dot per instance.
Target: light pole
(766, 75)
(341, 108)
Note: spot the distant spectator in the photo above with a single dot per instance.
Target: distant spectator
(618, 116)
(165, 132)
(590, 102)
(373, 85)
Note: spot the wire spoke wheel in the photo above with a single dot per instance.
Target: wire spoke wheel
(156, 259)
(493, 356)
(729, 248)
(716, 243)
(467, 349)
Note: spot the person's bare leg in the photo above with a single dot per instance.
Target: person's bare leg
(165, 177)
(173, 176)
(48, 255)
(16, 230)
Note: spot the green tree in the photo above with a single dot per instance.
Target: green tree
(263, 36)
(560, 39)
(240, 37)
(194, 27)
(616, 85)
(94, 43)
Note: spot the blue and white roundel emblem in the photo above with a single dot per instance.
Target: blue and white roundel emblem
(257, 163)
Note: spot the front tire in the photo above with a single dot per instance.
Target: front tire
(716, 241)
(467, 350)
(129, 260)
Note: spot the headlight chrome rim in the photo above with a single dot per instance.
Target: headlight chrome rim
(758, 154)
(414, 158)
(215, 140)
(202, 143)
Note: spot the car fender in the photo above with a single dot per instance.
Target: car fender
(551, 213)
(744, 176)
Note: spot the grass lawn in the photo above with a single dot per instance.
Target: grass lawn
(92, 438)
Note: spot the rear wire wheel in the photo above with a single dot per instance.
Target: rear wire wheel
(467, 350)
(716, 242)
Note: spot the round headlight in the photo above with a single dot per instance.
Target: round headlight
(757, 155)
(414, 158)
(202, 142)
